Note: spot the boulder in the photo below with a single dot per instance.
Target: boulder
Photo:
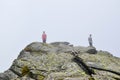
(53, 61)
(91, 50)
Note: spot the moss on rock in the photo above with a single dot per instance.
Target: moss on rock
(40, 77)
(25, 70)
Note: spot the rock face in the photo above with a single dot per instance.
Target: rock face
(54, 61)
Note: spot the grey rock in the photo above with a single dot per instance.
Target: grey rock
(91, 50)
(7, 75)
(58, 43)
(40, 61)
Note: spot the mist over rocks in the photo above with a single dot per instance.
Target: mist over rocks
(54, 61)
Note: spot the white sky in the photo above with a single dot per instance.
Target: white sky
(22, 22)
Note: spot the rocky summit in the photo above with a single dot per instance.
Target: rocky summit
(62, 61)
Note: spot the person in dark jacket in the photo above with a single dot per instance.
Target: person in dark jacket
(44, 37)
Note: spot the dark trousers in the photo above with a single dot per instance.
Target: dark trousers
(90, 43)
(44, 41)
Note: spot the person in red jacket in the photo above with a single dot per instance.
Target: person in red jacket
(44, 37)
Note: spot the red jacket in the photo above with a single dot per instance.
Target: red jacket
(44, 36)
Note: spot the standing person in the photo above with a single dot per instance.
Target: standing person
(90, 40)
(44, 37)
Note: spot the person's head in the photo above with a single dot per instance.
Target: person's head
(43, 31)
(90, 35)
